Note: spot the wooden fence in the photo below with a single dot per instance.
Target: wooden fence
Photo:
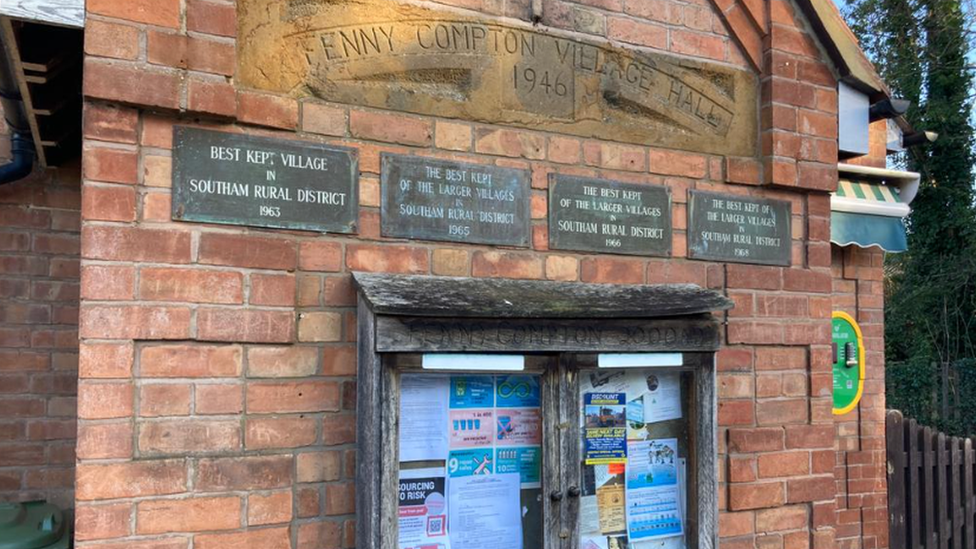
(930, 487)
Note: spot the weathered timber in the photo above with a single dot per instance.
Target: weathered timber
(504, 298)
(420, 334)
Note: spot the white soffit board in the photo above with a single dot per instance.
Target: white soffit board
(66, 13)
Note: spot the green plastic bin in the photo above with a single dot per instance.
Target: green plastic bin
(33, 525)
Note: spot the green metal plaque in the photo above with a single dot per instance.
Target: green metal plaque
(848, 353)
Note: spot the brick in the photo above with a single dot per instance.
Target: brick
(511, 143)
(807, 281)
(111, 165)
(392, 259)
(219, 399)
(791, 517)
(272, 290)
(736, 524)
(612, 271)
(166, 48)
(93, 522)
(452, 136)
(769, 439)
(339, 361)
(390, 128)
(756, 496)
(339, 292)
(211, 18)
(637, 33)
(243, 473)
(131, 479)
(246, 326)
(564, 268)
(288, 361)
(320, 256)
(162, 13)
(104, 440)
(753, 277)
(273, 508)
(745, 171)
(213, 57)
(267, 110)
(614, 157)
(781, 358)
(164, 543)
(449, 262)
(191, 285)
(677, 163)
(211, 96)
(104, 39)
(810, 436)
(190, 361)
(784, 464)
(507, 265)
(340, 498)
(197, 514)
(157, 171)
(316, 535)
(135, 244)
(777, 412)
(810, 489)
(736, 412)
(285, 397)
(135, 85)
(104, 400)
(564, 150)
(157, 400)
(286, 432)
(697, 44)
(109, 203)
(265, 538)
(320, 466)
(319, 326)
(104, 360)
(108, 122)
(247, 251)
(183, 437)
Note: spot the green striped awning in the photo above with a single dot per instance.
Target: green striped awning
(868, 214)
(860, 190)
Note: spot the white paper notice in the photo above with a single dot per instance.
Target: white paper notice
(653, 500)
(422, 519)
(484, 512)
(423, 415)
(663, 399)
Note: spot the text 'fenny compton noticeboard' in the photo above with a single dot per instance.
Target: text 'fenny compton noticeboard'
(597, 215)
(434, 199)
(235, 179)
(741, 229)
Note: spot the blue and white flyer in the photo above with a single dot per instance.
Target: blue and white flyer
(653, 498)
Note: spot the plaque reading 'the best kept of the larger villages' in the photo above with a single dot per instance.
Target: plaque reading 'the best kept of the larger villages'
(741, 229)
(235, 179)
(434, 199)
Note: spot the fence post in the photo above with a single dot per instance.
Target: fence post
(895, 439)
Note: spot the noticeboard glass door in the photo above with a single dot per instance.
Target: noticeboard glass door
(470, 459)
(637, 459)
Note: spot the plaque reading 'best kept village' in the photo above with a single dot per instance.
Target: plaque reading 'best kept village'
(221, 177)
(741, 229)
(596, 215)
(454, 201)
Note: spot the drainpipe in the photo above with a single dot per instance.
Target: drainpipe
(21, 143)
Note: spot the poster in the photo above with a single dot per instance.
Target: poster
(653, 499)
(469, 428)
(517, 391)
(663, 399)
(475, 461)
(472, 392)
(605, 428)
(485, 512)
(526, 461)
(422, 509)
(610, 504)
(423, 413)
(518, 426)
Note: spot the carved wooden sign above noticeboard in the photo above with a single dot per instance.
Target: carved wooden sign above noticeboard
(378, 53)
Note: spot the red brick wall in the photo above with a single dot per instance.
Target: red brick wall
(39, 248)
(862, 511)
(216, 398)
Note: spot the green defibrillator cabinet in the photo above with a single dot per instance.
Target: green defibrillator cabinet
(848, 354)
